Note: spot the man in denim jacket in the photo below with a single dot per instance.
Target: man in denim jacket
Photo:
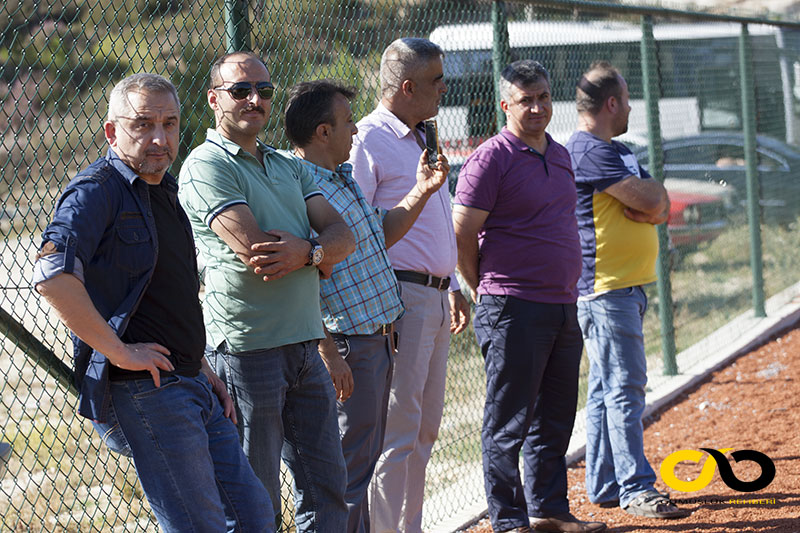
(117, 264)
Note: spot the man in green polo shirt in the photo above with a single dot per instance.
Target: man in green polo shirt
(252, 210)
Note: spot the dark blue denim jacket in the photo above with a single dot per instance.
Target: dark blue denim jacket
(104, 232)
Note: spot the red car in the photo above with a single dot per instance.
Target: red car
(698, 211)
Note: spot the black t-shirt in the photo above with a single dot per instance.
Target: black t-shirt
(170, 312)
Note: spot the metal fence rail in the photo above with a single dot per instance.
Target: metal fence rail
(715, 110)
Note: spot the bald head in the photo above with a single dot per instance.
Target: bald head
(215, 79)
(598, 84)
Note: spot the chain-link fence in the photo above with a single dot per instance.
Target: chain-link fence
(61, 58)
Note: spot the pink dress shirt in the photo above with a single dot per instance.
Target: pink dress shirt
(384, 158)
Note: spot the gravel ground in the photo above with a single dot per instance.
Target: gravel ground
(754, 403)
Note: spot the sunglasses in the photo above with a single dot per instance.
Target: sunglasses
(243, 89)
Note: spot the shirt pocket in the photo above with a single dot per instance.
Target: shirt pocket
(134, 251)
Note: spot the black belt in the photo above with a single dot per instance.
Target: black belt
(423, 279)
(385, 330)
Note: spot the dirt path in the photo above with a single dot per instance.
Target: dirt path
(754, 403)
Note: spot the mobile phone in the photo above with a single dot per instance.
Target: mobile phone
(432, 142)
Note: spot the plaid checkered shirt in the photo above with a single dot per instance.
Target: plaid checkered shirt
(362, 293)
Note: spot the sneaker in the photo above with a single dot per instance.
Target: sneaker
(653, 504)
(566, 523)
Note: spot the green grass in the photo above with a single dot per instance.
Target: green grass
(714, 284)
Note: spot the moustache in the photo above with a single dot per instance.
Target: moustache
(254, 108)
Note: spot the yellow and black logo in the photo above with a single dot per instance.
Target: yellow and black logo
(717, 458)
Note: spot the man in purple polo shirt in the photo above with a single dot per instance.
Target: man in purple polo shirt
(520, 256)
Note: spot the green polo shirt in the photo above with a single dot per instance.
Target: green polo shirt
(240, 308)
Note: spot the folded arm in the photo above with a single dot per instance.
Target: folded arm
(334, 235)
(275, 253)
(646, 200)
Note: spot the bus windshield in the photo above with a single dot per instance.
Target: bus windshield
(698, 67)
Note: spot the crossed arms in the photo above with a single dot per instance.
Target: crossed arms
(275, 253)
(645, 200)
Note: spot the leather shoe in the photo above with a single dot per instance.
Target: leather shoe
(566, 523)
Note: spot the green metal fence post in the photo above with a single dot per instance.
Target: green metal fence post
(651, 83)
(501, 53)
(753, 196)
(36, 351)
(237, 25)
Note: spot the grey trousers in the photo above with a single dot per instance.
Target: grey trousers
(362, 418)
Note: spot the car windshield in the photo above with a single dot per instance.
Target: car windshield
(722, 155)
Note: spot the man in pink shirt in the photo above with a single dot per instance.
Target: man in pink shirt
(384, 156)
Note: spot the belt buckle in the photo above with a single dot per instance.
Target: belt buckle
(439, 285)
(443, 283)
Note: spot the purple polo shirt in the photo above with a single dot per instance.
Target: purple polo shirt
(529, 246)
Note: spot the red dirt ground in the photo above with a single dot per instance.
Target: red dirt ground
(753, 403)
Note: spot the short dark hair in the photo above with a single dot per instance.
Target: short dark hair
(596, 86)
(522, 73)
(311, 104)
(213, 75)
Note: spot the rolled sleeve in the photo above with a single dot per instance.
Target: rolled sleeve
(72, 237)
(52, 265)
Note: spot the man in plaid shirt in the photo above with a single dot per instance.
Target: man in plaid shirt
(361, 298)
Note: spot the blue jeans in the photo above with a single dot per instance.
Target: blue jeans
(188, 458)
(111, 434)
(616, 467)
(286, 407)
(532, 352)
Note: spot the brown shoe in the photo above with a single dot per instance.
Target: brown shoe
(566, 523)
(520, 529)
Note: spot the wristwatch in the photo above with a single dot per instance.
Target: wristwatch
(316, 254)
